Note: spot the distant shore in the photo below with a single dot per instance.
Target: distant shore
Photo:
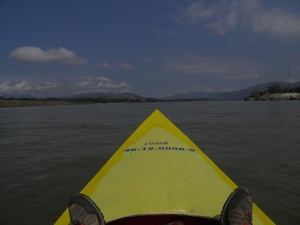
(22, 103)
(7, 103)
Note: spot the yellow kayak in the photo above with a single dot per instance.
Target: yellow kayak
(159, 175)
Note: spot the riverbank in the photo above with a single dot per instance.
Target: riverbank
(30, 103)
(6, 103)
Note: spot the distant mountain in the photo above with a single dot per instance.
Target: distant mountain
(84, 95)
(17, 96)
(241, 94)
(193, 95)
(105, 95)
(233, 95)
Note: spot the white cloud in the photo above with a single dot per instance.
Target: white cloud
(274, 21)
(36, 55)
(62, 55)
(99, 84)
(8, 86)
(251, 14)
(126, 66)
(25, 87)
(195, 89)
(195, 12)
(228, 21)
(47, 85)
(108, 66)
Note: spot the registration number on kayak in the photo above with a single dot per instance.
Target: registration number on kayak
(159, 148)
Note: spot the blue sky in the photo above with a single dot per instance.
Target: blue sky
(151, 48)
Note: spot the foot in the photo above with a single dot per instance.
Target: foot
(83, 211)
(237, 209)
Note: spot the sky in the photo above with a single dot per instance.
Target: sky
(152, 48)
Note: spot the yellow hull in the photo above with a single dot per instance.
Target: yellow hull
(159, 170)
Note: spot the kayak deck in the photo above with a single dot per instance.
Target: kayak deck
(157, 175)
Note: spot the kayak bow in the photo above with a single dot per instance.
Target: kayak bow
(158, 176)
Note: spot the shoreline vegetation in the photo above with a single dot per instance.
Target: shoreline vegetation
(30, 102)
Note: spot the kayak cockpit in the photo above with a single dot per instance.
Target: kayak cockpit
(164, 219)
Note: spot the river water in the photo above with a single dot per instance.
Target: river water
(49, 153)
